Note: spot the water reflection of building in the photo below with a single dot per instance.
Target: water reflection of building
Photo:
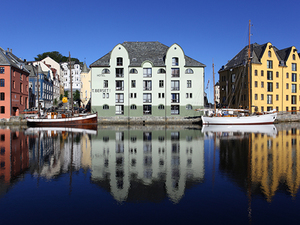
(14, 157)
(147, 164)
(53, 151)
(267, 163)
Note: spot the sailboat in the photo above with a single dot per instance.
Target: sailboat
(53, 119)
(226, 116)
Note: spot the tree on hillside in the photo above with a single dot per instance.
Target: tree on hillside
(55, 55)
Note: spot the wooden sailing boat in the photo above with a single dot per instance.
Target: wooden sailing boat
(53, 119)
(238, 116)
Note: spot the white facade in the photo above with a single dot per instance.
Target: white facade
(164, 83)
(76, 81)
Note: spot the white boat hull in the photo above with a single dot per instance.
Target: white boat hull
(242, 120)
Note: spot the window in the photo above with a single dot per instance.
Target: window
(2, 96)
(175, 97)
(133, 71)
(119, 98)
(147, 109)
(161, 83)
(294, 88)
(270, 75)
(161, 71)
(119, 61)
(277, 97)
(161, 107)
(132, 95)
(2, 109)
(175, 61)
(105, 71)
(119, 72)
(105, 84)
(269, 99)
(255, 84)
(255, 72)
(147, 72)
(133, 83)
(255, 96)
(262, 73)
(147, 85)
(277, 85)
(2, 82)
(287, 75)
(294, 57)
(189, 107)
(294, 77)
(262, 84)
(175, 85)
(294, 67)
(287, 86)
(174, 109)
(133, 107)
(269, 86)
(269, 64)
(277, 74)
(175, 72)
(262, 97)
(287, 97)
(269, 54)
(189, 83)
(119, 109)
(294, 100)
(14, 84)
(119, 85)
(189, 71)
(2, 70)
(147, 97)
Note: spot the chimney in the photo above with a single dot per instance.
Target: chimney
(11, 50)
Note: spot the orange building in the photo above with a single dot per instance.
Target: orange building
(13, 85)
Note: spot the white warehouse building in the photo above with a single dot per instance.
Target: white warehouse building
(147, 79)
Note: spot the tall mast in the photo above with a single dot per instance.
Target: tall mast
(71, 84)
(249, 63)
(38, 90)
(213, 65)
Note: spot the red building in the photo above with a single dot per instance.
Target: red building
(13, 84)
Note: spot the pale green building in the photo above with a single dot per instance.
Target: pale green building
(147, 80)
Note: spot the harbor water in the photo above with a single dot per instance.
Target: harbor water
(150, 175)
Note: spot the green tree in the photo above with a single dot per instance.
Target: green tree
(55, 55)
(55, 101)
(76, 97)
(61, 97)
(66, 94)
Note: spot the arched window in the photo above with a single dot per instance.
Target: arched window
(119, 61)
(189, 71)
(189, 107)
(161, 71)
(175, 61)
(133, 71)
(269, 54)
(105, 106)
(161, 107)
(105, 71)
(133, 107)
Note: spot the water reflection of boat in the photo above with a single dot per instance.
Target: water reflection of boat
(60, 129)
(227, 130)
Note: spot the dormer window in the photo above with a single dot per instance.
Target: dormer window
(119, 61)
(175, 61)
(161, 71)
(105, 71)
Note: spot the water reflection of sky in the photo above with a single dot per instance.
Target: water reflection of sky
(154, 175)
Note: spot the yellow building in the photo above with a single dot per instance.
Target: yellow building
(273, 79)
(85, 91)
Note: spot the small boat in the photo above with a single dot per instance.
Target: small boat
(238, 117)
(227, 116)
(60, 120)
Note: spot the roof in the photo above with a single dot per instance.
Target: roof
(84, 68)
(256, 52)
(140, 52)
(7, 58)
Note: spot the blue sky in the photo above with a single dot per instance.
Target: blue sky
(208, 31)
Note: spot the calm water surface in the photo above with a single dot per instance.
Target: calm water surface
(150, 175)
